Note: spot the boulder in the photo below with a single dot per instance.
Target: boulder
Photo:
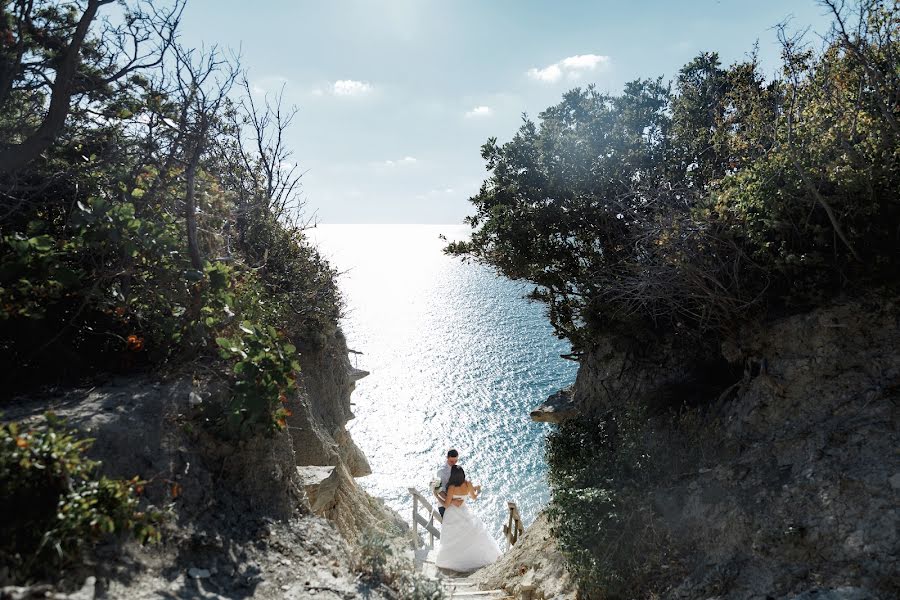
(534, 565)
(556, 408)
(334, 494)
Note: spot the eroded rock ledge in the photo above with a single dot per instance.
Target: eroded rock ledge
(244, 521)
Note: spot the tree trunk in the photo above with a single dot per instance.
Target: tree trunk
(14, 156)
(190, 208)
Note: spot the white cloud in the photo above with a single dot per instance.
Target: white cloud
(584, 61)
(571, 66)
(480, 111)
(405, 161)
(548, 74)
(349, 87)
(436, 192)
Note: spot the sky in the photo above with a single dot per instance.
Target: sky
(396, 97)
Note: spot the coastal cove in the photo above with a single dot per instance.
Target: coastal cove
(665, 345)
(457, 357)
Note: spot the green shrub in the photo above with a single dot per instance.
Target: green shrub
(380, 566)
(690, 207)
(264, 367)
(413, 585)
(298, 283)
(375, 552)
(53, 503)
(601, 517)
(102, 287)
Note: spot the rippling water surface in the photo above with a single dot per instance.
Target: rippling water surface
(457, 359)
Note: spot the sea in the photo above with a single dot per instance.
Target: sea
(457, 359)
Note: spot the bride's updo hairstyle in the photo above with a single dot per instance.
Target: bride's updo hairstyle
(457, 476)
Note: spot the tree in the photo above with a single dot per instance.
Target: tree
(203, 81)
(51, 61)
(678, 210)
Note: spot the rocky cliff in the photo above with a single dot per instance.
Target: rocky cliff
(534, 567)
(323, 408)
(787, 483)
(328, 460)
(244, 517)
(780, 476)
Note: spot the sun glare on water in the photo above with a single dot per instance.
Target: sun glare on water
(457, 359)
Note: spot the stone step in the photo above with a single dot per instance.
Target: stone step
(455, 586)
(459, 588)
(460, 582)
(475, 595)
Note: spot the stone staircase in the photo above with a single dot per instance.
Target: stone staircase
(456, 585)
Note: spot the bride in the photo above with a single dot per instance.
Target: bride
(465, 543)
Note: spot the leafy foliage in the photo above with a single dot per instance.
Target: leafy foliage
(601, 516)
(265, 367)
(104, 268)
(375, 551)
(148, 228)
(690, 206)
(54, 504)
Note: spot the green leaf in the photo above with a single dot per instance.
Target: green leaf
(42, 243)
(218, 279)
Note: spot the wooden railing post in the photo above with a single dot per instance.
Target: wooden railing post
(514, 528)
(415, 523)
(431, 530)
(429, 523)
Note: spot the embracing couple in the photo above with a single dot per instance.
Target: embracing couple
(465, 544)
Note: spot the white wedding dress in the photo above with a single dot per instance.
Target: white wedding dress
(465, 543)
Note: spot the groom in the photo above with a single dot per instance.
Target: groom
(443, 475)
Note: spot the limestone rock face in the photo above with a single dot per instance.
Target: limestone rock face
(239, 521)
(326, 457)
(241, 524)
(335, 495)
(322, 410)
(789, 488)
(534, 564)
(657, 372)
(142, 427)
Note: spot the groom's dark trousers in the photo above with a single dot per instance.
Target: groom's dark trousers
(441, 510)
